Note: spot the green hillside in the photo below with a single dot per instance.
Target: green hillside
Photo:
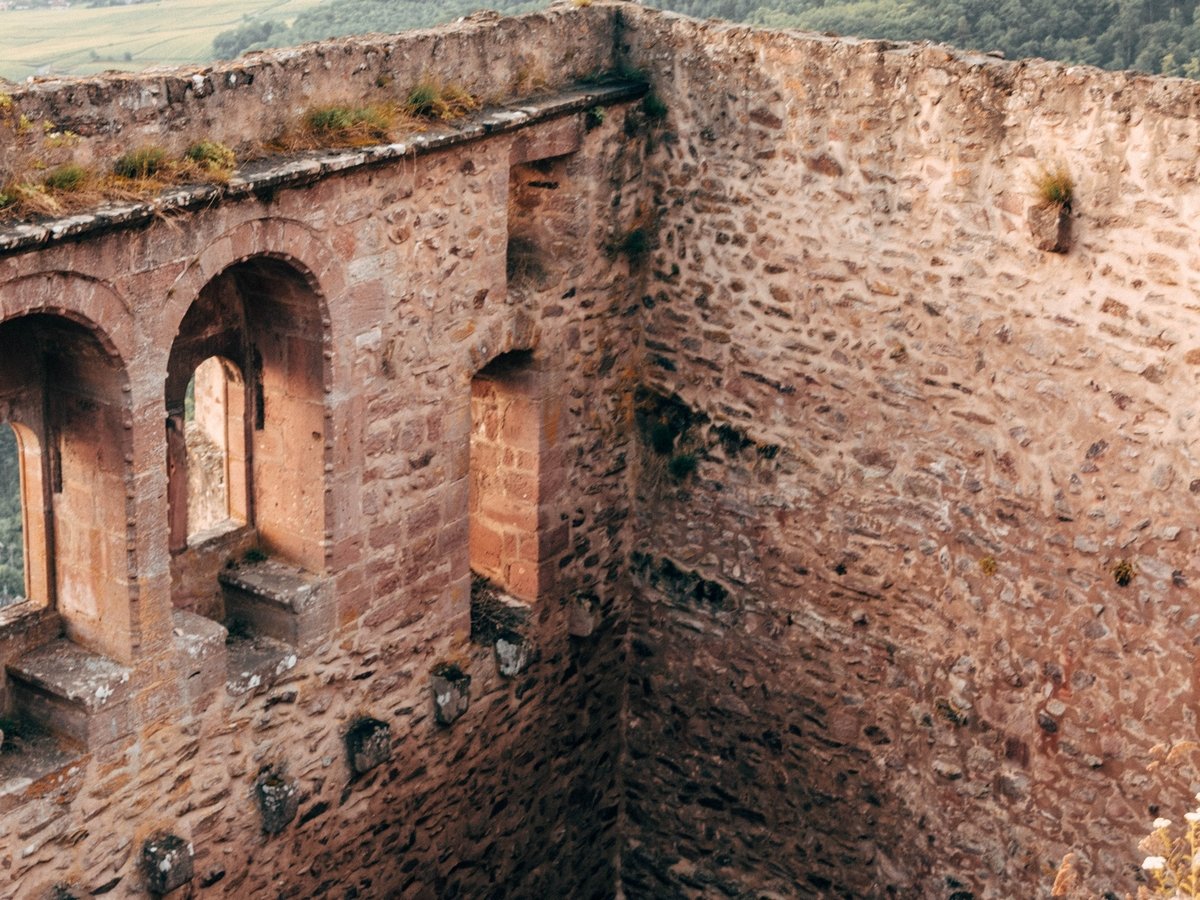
(82, 40)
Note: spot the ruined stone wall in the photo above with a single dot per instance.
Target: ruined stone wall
(407, 259)
(251, 99)
(878, 646)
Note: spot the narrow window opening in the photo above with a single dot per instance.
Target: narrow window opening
(544, 225)
(504, 470)
(215, 440)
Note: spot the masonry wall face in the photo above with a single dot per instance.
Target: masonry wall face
(408, 262)
(878, 646)
(833, 484)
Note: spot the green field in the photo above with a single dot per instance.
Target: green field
(80, 41)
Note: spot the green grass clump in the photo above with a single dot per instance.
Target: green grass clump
(211, 156)
(682, 465)
(145, 162)
(349, 125)
(431, 99)
(653, 107)
(1055, 187)
(67, 178)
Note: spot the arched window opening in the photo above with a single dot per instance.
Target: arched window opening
(504, 475)
(215, 441)
(246, 446)
(64, 445)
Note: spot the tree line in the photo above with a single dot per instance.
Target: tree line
(1159, 36)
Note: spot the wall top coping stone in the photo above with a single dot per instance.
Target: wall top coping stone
(307, 167)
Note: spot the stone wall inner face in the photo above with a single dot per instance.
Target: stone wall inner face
(197, 747)
(920, 676)
(832, 486)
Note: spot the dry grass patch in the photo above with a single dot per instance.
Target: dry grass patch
(136, 176)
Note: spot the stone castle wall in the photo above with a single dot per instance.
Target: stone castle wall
(830, 483)
(878, 648)
(398, 271)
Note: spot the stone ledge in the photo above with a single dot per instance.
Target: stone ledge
(78, 676)
(279, 601)
(200, 650)
(273, 173)
(72, 693)
(33, 763)
(256, 663)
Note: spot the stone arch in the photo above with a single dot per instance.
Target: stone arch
(267, 314)
(519, 332)
(63, 381)
(286, 240)
(76, 297)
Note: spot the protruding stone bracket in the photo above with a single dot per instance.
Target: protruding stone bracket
(200, 653)
(279, 601)
(368, 744)
(451, 692)
(1050, 225)
(583, 615)
(278, 800)
(503, 622)
(254, 663)
(512, 653)
(166, 862)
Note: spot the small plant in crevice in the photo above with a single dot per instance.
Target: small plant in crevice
(1123, 572)
(988, 566)
(1050, 214)
(431, 99)
(1054, 188)
(951, 712)
(254, 555)
(141, 164)
(352, 126)
(654, 107)
(594, 117)
(1173, 865)
(213, 157)
(67, 178)
(682, 465)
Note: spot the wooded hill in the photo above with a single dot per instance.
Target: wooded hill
(1149, 35)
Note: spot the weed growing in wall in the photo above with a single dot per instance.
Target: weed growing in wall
(431, 99)
(140, 164)
(1054, 188)
(1173, 863)
(1123, 572)
(212, 157)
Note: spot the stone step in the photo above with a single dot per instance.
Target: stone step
(255, 663)
(278, 600)
(200, 652)
(72, 693)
